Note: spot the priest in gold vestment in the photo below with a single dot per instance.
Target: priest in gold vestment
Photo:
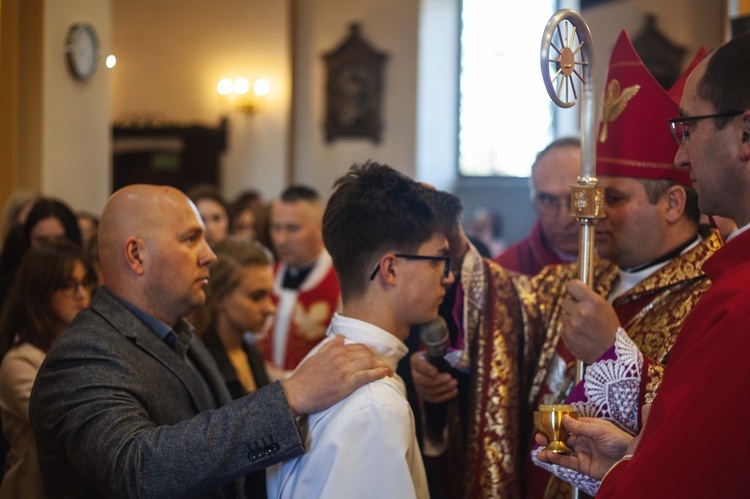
(518, 328)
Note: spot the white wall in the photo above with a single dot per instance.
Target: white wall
(389, 26)
(690, 23)
(171, 54)
(75, 145)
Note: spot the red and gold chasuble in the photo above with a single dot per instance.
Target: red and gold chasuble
(302, 315)
(518, 360)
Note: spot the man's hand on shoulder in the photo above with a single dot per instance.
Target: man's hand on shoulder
(334, 372)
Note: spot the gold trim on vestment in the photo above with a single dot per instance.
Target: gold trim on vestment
(655, 375)
(518, 339)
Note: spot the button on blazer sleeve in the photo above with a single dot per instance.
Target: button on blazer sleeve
(113, 409)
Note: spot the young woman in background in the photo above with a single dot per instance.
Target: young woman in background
(53, 284)
(238, 301)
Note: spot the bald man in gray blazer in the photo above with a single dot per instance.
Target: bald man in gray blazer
(129, 403)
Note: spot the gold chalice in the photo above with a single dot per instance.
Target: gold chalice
(548, 420)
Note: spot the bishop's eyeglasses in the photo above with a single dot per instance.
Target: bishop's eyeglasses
(680, 126)
(445, 259)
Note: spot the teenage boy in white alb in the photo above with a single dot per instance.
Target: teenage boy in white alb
(391, 255)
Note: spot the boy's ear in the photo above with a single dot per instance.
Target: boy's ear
(388, 269)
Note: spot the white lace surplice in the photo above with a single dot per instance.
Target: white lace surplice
(610, 391)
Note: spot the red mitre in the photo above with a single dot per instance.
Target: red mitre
(634, 138)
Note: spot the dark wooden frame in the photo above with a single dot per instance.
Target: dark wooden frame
(354, 89)
(171, 154)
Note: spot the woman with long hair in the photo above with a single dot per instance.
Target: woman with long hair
(51, 219)
(48, 220)
(238, 301)
(53, 284)
(214, 211)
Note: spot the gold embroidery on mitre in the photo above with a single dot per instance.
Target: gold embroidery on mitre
(615, 103)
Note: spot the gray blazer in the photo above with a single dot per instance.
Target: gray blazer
(117, 413)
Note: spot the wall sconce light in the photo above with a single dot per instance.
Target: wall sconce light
(236, 94)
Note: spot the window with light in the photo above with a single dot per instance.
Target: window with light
(505, 114)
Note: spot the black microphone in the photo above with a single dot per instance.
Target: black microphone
(434, 335)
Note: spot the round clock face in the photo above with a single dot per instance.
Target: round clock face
(82, 50)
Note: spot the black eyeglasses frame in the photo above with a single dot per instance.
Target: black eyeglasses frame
(681, 121)
(445, 259)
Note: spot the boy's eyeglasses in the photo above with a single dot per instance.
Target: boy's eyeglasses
(445, 259)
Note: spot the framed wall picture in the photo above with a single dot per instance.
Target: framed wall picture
(354, 89)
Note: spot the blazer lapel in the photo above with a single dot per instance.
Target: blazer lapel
(200, 384)
(206, 365)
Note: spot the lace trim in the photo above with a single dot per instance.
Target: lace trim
(583, 482)
(611, 388)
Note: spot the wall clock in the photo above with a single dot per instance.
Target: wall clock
(82, 50)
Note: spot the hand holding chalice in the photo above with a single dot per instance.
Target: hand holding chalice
(548, 420)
